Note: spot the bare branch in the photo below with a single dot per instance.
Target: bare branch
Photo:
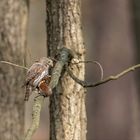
(110, 78)
(12, 64)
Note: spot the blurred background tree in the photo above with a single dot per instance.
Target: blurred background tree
(108, 27)
(13, 23)
(136, 30)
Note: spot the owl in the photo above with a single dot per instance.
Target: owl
(38, 77)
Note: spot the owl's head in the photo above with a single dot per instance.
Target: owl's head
(46, 61)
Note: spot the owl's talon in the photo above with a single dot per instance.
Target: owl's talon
(43, 94)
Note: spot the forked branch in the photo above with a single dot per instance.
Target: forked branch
(110, 78)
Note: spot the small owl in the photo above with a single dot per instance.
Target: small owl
(38, 77)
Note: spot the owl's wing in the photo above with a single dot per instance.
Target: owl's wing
(34, 72)
(40, 77)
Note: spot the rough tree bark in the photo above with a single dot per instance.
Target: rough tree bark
(13, 19)
(67, 104)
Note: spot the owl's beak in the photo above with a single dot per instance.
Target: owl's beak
(51, 64)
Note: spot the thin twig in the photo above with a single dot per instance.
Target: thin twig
(101, 69)
(110, 78)
(76, 61)
(12, 64)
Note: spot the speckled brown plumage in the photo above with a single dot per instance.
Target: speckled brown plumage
(38, 77)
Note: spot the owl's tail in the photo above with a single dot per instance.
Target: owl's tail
(27, 93)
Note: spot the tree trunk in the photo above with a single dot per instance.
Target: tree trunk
(13, 19)
(67, 104)
(136, 104)
(136, 23)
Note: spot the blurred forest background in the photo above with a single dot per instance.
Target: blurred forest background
(111, 33)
